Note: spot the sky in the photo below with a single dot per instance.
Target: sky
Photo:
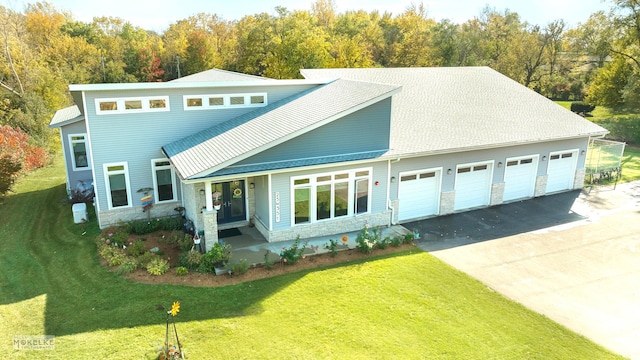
(157, 15)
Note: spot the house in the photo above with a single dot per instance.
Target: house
(319, 156)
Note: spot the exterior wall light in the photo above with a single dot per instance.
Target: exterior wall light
(393, 179)
(449, 172)
(544, 158)
(500, 164)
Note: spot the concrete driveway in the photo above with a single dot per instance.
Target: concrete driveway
(574, 257)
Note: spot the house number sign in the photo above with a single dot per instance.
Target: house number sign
(277, 206)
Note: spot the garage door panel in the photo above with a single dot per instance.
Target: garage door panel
(419, 195)
(520, 178)
(473, 186)
(561, 170)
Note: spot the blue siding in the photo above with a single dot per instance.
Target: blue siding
(137, 138)
(364, 130)
(73, 177)
(261, 193)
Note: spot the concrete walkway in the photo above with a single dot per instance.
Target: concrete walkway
(253, 247)
(574, 257)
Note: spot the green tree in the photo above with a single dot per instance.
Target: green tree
(607, 87)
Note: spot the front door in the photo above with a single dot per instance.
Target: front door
(232, 199)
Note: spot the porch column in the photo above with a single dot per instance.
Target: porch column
(210, 219)
(207, 196)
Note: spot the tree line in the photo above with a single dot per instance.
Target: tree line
(44, 50)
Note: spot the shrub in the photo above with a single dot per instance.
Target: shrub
(190, 259)
(182, 271)
(580, 107)
(383, 243)
(179, 239)
(117, 257)
(332, 246)
(127, 266)
(216, 257)
(136, 248)
(170, 223)
(146, 258)
(141, 227)
(290, 255)
(397, 241)
(408, 238)
(367, 239)
(267, 262)
(157, 266)
(240, 267)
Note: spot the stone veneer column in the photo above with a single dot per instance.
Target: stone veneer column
(447, 202)
(497, 194)
(578, 180)
(210, 219)
(541, 186)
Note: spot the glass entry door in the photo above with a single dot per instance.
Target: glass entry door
(232, 201)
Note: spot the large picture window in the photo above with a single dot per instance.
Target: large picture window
(117, 183)
(79, 153)
(164, 183)
(330, 195)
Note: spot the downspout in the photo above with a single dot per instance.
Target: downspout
(389, 205)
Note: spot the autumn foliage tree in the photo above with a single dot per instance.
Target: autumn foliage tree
(17, 156)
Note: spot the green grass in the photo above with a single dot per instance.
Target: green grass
(630, 164)
(405, 306)
(600, 112)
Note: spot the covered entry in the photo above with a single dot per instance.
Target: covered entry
(419, 194)
(232, 198)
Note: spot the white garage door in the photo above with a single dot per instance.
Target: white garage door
(419, 194)
(561, 170)
(473, 185)
(520, 177)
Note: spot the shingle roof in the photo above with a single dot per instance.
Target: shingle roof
(66, 116)
(455, 109)
(234, 140)
(217, 75)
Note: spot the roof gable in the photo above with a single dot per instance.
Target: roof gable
(66, 116)
(242, 137)
(217, 75)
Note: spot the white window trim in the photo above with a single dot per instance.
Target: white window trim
(146, 107)
(313, 184)
(108, 185)
(154, 168)
(227, 101)
(72, 154)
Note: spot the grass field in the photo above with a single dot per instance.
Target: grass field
(406, 306)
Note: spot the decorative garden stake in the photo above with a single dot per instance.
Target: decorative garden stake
(147, 201)
(169, 351)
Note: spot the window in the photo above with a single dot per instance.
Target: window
(132, 105)
(79, 153)
(117, 183)
(330, 195)
(220, 101)
(164, 183)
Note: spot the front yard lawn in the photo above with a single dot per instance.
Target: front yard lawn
(405, 306)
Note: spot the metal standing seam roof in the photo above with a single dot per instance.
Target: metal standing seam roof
(236, 139)
(465, 108)
(66, 116)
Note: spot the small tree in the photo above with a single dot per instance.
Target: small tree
(16, 156)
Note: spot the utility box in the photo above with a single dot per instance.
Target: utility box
(79, 213)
